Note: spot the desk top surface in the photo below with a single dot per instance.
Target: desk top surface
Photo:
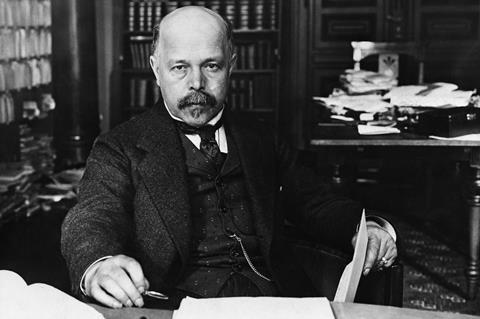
(403, 139)
(341, 311)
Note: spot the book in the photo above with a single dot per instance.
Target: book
(141, 15)
(259, 14)
(149, 16)
(158, 12)
(230, 12)
(244, 14)
(214, 5)
(131, 15)
(273, 14)
(39, 300)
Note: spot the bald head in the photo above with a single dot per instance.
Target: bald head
(192, 62)
(192, 20)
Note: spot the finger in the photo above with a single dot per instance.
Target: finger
(112, 288)
(101, 296)
(126, 284)
(391, 255)
(147, 284)
(372, 253)
(134, 270)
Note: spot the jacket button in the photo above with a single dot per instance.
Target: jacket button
(234, 253)
(223, 209)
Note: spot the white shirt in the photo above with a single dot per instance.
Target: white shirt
(220, 136)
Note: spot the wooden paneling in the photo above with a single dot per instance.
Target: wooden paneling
(449, 25)
(339, 27)
(348, 3)
(448, 2)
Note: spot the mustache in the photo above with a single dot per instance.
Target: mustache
(198, 98)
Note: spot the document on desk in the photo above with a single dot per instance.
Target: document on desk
(254, 307)
(39, 301)
(348, 284)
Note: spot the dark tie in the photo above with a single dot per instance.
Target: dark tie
(208, 144)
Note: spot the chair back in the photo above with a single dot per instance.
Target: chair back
(363, 49)
(324, 267)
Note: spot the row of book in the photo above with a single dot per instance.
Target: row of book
(140, 49)
(25, 13)
(258, 55)
(143, 15)
(251, 93)
(24, 43)
(250, 56)
(25, 74)
(246, 93)
(143, 93)
(7, 108)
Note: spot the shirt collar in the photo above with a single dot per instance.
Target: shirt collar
(213, 121)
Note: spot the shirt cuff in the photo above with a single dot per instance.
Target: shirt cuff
(89, 269)
(382, 223)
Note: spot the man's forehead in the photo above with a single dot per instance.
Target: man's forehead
(193, 21)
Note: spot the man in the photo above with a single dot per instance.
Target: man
(185, 199)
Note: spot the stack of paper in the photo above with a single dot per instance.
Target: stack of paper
(361, 81)
(429, 95)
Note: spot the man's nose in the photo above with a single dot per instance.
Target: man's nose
(197, 79)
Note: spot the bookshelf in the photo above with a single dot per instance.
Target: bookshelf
(25, 82)
(255, 80)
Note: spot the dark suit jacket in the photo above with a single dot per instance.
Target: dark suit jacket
(133, 200)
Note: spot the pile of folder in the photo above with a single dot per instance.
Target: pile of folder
(362, 81)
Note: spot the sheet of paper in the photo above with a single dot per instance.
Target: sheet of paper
(39, 301)
(376, 130)
(348, 284)
(254, 307)
(468, 137)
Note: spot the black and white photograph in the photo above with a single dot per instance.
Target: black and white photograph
(239, 159)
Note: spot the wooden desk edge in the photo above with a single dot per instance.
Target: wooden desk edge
(341, 311)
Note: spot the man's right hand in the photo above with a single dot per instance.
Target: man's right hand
(117, 281)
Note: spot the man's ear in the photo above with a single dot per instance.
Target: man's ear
(154, 66)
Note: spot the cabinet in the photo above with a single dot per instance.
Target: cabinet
(255, 81)
(25, 82)
(320, 32)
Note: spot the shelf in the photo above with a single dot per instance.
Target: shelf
(37, 27)
(254, 71)
(235, 31)
(144, 72)
(255, 31)
(35, 57)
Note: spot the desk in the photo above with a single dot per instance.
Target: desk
(341, 311)
(414, 146)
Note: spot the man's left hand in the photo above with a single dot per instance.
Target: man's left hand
(381, 249)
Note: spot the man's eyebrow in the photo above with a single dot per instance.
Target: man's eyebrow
(181, 61)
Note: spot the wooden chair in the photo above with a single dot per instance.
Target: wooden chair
(324, 266)
(389, 50)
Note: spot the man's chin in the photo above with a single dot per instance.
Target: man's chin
(199, 115)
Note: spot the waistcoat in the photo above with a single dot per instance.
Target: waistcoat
(219, 208)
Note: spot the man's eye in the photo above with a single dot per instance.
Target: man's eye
(179, 68)
(212, 67)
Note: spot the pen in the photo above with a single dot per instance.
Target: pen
(155, 294)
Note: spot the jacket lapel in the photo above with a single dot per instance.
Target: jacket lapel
(164, 175)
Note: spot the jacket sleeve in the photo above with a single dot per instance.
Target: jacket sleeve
(100, 222)
(309, 203)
